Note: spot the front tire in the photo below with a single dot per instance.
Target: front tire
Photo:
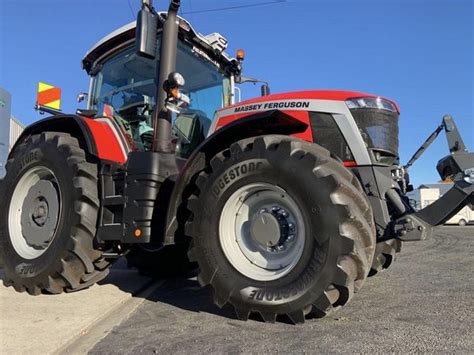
(385, 255)
(246, 248)
(48, 221)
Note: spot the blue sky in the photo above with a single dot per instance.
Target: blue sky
(416, 52)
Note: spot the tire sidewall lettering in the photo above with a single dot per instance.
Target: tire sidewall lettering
(235, 173)
(27, 160)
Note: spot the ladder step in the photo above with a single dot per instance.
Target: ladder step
(117, 200)
(110, 232)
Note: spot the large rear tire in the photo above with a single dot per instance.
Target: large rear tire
(48, 221)
(280, 228)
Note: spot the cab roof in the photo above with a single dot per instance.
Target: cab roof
(126, 34)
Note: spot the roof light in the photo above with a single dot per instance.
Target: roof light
(240, 55)
(371, 102)
(217, 41)
(184, 25)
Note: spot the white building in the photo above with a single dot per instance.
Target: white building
(10, 129)
(428, 193)
(16, 128)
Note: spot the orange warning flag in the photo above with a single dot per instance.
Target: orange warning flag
(48, 96)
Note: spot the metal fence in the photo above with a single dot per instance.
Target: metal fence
(15, 130)
(10, 129)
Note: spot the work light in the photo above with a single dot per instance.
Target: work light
(371, 102)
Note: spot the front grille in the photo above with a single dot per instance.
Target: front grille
(379, 129)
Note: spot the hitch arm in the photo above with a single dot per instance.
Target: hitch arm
(455, 141)
(425, 146)
(460, 166)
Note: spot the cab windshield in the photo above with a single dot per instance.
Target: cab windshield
(124, 89)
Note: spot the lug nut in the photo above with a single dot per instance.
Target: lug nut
(280, 247)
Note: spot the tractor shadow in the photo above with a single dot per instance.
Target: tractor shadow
(182, 293)
(188, 295)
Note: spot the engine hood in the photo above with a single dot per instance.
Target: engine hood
(334, 95)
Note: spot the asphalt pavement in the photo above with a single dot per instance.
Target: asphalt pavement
(423, 303)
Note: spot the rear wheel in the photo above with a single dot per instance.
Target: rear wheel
(280, 228)
(49, 221)
(462, 222)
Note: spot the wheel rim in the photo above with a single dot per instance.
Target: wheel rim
(261, 231)
(34, 212)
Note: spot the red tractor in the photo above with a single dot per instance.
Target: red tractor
(286, 203)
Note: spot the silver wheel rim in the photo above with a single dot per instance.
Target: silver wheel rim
(261, 231)
(34, 212)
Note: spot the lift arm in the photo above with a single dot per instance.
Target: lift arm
(455, 141)
(459, 166)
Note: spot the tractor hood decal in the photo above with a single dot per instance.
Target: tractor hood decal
(282, 105)
(272, 105)
(298, 100)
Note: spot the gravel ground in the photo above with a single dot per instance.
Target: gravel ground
(423, 303)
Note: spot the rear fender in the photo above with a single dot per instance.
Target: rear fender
(100, 137)
(270, 122)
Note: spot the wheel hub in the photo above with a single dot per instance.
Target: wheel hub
(39, 214)
(265, 230)
(262, 231)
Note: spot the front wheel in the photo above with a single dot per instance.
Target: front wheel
(280, 228)
(386, 252)
(49, 216)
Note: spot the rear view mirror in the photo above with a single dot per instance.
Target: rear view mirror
(184, 127)
(145, 38)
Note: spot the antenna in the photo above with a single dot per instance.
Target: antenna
(234, 7)
(131, 9)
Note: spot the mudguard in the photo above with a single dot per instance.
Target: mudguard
(100, 136)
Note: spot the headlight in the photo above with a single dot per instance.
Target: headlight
(176, 80)
(371, 102)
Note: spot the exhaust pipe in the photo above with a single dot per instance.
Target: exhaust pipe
(162, 141)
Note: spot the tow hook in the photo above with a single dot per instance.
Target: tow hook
(411, 228)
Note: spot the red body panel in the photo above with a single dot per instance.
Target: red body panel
(302, 116)
(299, 115)
(232, 113)
(109, 145)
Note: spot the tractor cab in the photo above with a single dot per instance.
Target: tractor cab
(123, 84)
